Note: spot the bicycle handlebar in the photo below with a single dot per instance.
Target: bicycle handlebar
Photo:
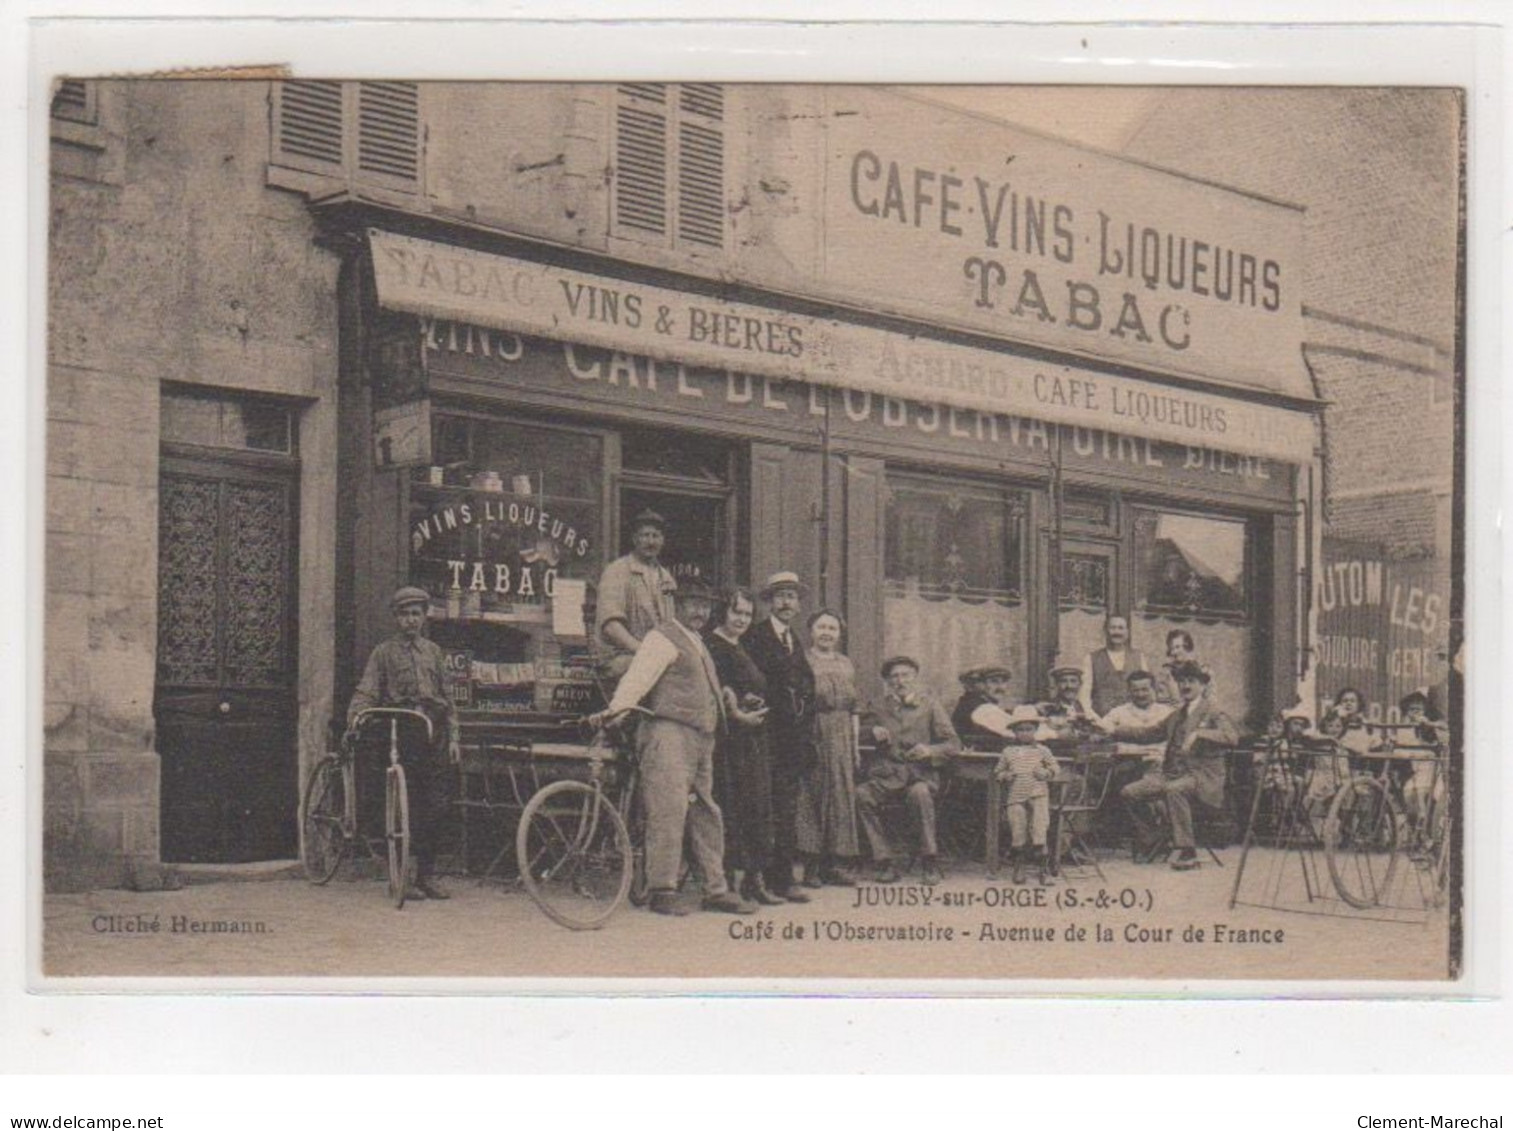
(394, 713)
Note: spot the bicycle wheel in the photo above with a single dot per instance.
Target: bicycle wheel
(322, 812)
(575, 854)
(1360, 843)
(397, 833)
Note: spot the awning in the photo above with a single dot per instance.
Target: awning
(436, 279)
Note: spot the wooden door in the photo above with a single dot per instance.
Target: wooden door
(1086, 593)
(225, 698)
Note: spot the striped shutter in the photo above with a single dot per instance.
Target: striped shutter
(701, 164)
(388, 130)
(368, 132)
(640, 158)
(309, 126)
(669, 163)
(72, 100)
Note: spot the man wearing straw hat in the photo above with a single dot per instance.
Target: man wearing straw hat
(775, 648)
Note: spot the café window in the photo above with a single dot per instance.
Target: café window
(1190, 564)
(504, 532)
(954, 576)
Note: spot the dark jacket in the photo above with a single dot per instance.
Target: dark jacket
(790, 692)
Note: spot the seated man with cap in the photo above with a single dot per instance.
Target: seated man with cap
(981, 716)
(1065, 715)
(407, 670)
(674, 676)
(635, 594)
(1197, 736)
(915, 743)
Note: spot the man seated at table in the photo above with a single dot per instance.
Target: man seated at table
(1197, 736)
(981, 716)
(915, 743)
(1141, 710)
(1064, 715)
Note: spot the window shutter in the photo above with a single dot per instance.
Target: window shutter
(640, 192)
(363, 132)
(309, 127)
(388, 130)
(701, 164)
(72, 101)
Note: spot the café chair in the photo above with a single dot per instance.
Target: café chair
(1077, 796)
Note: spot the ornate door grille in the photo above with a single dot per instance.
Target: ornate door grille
(223, 600)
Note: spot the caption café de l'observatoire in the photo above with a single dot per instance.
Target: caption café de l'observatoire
(977, 404)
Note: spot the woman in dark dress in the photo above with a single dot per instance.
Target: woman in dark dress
(742, 775)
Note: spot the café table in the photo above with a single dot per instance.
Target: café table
(978, 765)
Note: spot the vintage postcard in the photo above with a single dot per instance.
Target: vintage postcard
(726, 531)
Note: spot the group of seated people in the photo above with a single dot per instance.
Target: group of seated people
(1309, 765)
(1183, 744)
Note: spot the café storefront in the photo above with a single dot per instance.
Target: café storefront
(956, 498)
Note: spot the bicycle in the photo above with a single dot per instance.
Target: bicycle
(577, 856)
(328, 812)
(1367, 831)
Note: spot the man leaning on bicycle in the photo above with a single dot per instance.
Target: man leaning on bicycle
(407, 670)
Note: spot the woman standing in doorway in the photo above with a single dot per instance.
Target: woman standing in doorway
(826, 824)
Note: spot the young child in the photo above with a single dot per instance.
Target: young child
(1027, 768)
(1330, 771)
(1424, 790)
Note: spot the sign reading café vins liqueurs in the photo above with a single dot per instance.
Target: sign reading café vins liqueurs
(932, 211)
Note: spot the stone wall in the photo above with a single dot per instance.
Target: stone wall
(170, 260)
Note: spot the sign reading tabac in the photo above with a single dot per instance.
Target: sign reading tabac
(446, 282)
(930, 211)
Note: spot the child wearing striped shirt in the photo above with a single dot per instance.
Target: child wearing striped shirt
(1027, 768)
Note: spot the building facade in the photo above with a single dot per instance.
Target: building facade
(312, 340)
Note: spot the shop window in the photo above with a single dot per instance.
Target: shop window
(691, 458)
(211, 421)
(954, 593)
(504, 534)
(669, 164)
(1191, 565)
(74, 101)
(955, 540)
(365, 133)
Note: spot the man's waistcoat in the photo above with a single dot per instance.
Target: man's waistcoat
(684, 693)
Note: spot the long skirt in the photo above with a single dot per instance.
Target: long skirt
(826, 818)
(743, 789)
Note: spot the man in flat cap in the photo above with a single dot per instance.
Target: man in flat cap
(407, 670)
(981, 715)
(1197, 735)
(673, 675)
(915, 743)
(635, 594)
(1064, 714)
(775, 648)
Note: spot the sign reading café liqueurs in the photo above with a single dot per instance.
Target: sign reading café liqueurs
(930, 211)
